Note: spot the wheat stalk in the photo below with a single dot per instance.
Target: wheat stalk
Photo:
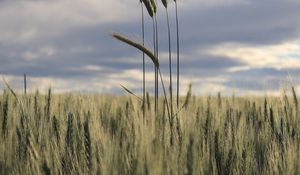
(178, 52)
(144, 71)
(156, 48)
(152, 9)
(155, 45)
(165, 3)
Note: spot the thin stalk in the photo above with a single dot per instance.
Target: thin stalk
(25, 84)
(178, 79)
(178, 51)
(144, 74)
(168, 108)
(156, 70)
(170, 63)
(165, 93)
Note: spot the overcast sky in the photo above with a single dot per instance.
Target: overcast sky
(241, 46)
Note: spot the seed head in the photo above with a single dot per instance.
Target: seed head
(165, 3)
(153, 4)
(149, 7)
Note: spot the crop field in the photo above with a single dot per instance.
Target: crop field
(97, 134)
(169, 131)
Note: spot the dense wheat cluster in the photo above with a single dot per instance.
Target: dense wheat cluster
(93, 134)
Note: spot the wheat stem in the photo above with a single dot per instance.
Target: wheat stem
(178, 52)
(156, 71)
(170, 64)
(144, 74)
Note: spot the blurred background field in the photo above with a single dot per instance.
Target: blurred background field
(100, 134)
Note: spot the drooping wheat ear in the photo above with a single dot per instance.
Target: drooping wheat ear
(138, 46)
(149, 7)
(147, 52)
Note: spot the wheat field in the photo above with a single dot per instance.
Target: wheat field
(97, 134)
(161, 134)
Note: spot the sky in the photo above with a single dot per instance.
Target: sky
(232, 46)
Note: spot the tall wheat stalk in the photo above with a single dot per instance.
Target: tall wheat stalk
(155, 44)
(178, 53)
(165, 3)
(179, 132)
(156, 77)
(155, 70)
(144, 74)
(152, 8)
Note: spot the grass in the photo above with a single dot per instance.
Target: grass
(95, 134)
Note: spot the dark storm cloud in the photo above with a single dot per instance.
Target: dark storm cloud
(259, 22)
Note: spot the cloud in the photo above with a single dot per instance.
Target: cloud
(36, 19)
(279, 56)
(245, 45)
